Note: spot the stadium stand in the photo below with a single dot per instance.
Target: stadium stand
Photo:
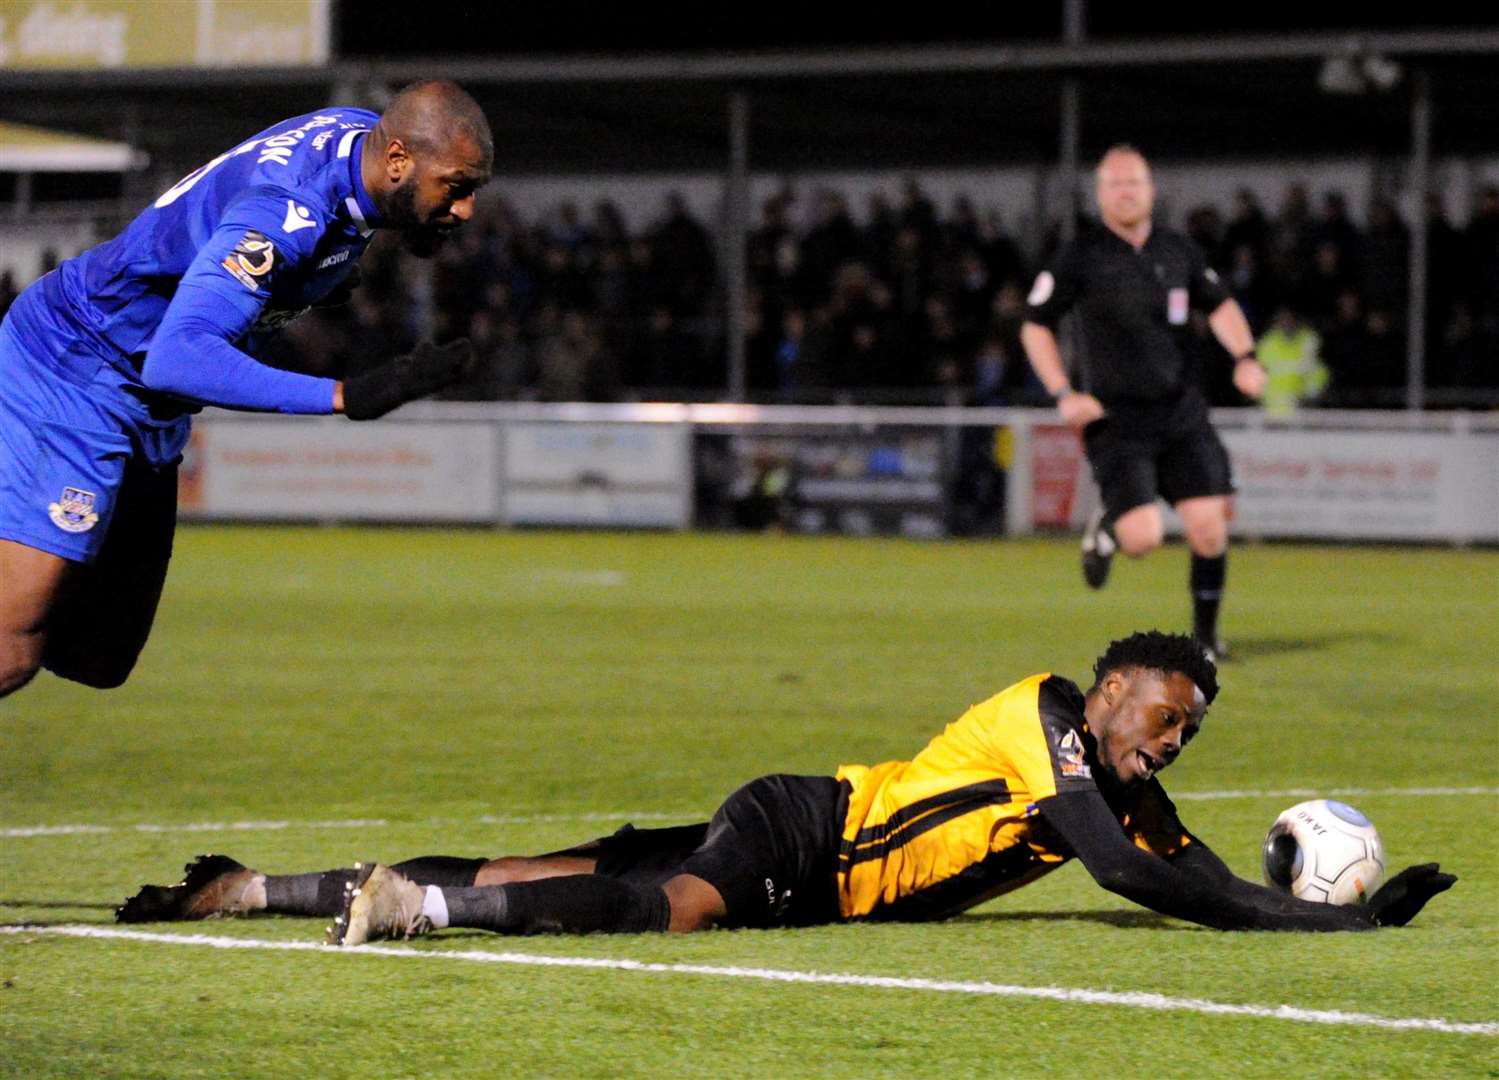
(904, 304)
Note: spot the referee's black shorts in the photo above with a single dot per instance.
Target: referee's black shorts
(1136, 464)
(771, 851)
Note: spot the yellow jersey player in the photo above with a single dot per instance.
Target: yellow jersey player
(1036, 775)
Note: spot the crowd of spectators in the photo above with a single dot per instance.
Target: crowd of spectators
(903, 303)
(1349, 286)
(905, 306)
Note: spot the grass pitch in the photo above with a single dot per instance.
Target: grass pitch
(482, 693)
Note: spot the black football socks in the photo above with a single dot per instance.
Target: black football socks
(576, 904)
(323, 893)
(1207, 578)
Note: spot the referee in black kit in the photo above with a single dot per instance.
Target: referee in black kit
(1142, 412)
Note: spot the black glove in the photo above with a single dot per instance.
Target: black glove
(1399, 899)
(342, 292)
(426, 368)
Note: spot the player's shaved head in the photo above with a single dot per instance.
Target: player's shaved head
(1126, 192)
(430, 116)
(430, 152)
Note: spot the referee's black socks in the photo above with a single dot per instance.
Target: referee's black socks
(1208, 575)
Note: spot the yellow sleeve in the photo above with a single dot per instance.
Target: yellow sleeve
(1043, 734)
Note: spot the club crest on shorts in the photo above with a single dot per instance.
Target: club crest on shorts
(74, 512)
(251, 259)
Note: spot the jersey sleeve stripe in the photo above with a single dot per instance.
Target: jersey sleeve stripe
(994, 788)
(358, 215)
(974, 797)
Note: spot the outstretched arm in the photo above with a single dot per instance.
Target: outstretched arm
(1197, 886)
(1198, 861)
(196, 354)
(1395, 903)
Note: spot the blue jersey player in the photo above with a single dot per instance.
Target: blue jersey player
(103, 361)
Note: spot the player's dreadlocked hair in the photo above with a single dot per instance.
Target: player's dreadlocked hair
(1166, 653)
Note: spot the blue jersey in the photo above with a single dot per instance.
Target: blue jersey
(180, 300)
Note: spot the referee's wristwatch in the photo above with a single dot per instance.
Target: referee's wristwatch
(1250, 355)
(1065, 391)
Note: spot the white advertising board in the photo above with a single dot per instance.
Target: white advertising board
(1366, 485)
(529, 464)
(606, 475)
(325, 470)
(1353, 485)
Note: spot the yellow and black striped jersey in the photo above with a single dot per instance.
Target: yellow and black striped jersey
(958, 824)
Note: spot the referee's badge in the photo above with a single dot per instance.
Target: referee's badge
(74, 512)
(1041, 291)
(1176, 306)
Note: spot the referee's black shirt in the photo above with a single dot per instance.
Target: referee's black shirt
(1132, 308)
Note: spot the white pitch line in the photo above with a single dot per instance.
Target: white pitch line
(1310, 793)
(602, 578)
(600, 815)
(25, 831)
(190, 827)
(1127, 999)
(19, 832)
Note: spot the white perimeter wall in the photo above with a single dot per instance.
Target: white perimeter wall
(23, 243)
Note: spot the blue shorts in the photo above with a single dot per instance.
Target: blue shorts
(66, 443)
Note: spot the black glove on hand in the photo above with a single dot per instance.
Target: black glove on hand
(342, 292)
(1399, 899)
(426, 368)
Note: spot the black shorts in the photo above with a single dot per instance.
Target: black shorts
(771, 851)
(145, 520)
(1134, 464)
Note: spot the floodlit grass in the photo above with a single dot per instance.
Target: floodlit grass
(433, 680)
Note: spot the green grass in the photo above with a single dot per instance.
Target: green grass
(430, 679)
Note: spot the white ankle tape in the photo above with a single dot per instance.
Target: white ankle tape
(435, 907)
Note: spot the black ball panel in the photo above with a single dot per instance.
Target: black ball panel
(1282, 857)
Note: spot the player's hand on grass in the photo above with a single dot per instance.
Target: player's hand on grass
(1079, 410)
(426, 368)
(1399, 899)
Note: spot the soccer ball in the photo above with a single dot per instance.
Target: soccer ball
(1324, 850)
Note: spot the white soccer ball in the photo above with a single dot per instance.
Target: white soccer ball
(1324, 850)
